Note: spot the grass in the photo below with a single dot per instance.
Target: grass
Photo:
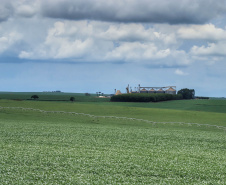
(132, 110)
(212, 105)
(63, 148)
(52, 96)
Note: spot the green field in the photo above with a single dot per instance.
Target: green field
(52, 96)
(101, 142)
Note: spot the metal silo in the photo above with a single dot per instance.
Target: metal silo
(171, 91)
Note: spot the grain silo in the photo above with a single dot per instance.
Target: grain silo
(171, 91)
(143, 90)
(118, 92)
(160, 91)
(152, 91)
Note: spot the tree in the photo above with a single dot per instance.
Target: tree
(98, 93)
(72, 99)
(187, 93)
(34, 97)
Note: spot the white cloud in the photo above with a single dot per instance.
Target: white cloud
(58, 47)
(137, 51)
(128, 32)
(203, 32)
(97, 41)
(180, 72)
(138, 33)
(7, 40)
(25, 11)
(213, 49)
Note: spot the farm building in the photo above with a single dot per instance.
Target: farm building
(170, 91)
(118, 92)
(151, 90)
(143, 90)
(160, 91)
(167, 89)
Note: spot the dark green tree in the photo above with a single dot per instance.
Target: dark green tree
(87, 94)
(187, 93)
(72, 99)
(34, 97)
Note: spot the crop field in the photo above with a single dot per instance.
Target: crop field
(60, 142)
(52, 96)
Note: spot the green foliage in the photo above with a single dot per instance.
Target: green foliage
(210, 105)
(202, 97)
(63, 148)
(187, 93)
(52, 96)
(35, 97)
(139, 97)
(72, 99)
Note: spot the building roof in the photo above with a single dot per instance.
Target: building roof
(143, 89)
(170, 89)
(152, 89)
(118, 92)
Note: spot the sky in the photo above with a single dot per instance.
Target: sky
(102, 45)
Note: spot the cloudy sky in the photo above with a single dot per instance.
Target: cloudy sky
(102, 45)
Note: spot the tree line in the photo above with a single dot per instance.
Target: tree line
(139, 97)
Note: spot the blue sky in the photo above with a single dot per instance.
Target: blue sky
(97, 45)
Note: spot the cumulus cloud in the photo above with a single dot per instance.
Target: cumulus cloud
(132, 32)
(145, 11)
(180, 72)
(60, 43)
(7, 40)
(26, 8)
(136, 51)
(6, 10)
(25, 11)
(213, 49)
(21, 8)
(203, 32)
(70, 40)
(113, 32)
(105, 42)
(155, 11)
(215, 40)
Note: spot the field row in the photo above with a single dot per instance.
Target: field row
(115, 117)
(45, 147)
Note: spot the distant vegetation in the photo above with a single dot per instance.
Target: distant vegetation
(52, 96)
(72, 99)
(187, 93)
(34, 97)
(202, 97)
(139, 97)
